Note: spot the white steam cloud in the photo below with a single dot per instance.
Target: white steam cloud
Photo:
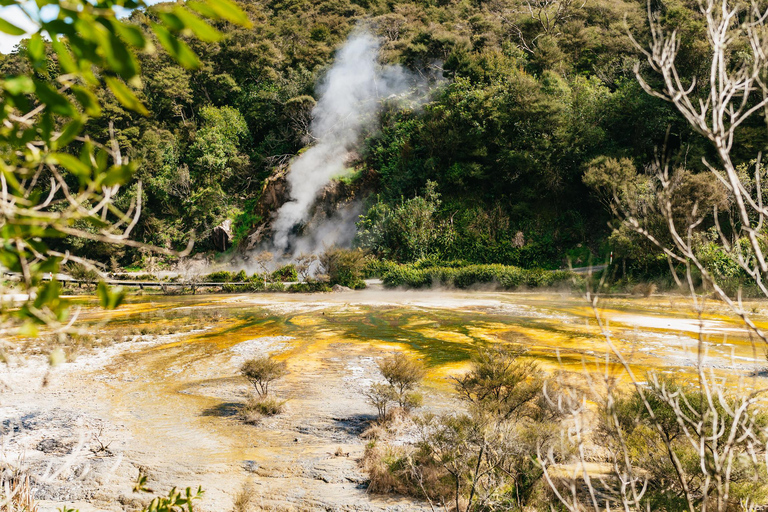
(349, 101)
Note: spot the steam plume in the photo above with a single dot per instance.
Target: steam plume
(349, 100)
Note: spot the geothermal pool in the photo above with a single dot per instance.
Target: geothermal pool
(164, 398)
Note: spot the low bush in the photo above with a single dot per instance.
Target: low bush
(466, 460)
(286, 273)
(506, 277)
(80, 272)
(402, 374)
(257, 408)
(254, 286)
(344, 267)
(309, 287)
(375, 267)
(221, 276)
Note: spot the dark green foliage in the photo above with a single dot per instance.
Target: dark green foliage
(344, 267)
(501, 276)
(309, 287)
(221, 276)
(254, 286)
(285, 274)
(488, 171)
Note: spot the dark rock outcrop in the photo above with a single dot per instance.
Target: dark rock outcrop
(221, 236)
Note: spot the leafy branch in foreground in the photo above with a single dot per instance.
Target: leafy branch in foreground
(55, 181)
(176, 501)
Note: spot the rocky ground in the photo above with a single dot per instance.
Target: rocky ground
(169, 409)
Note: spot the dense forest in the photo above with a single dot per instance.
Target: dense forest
(533, 105)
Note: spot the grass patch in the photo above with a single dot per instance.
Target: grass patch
(257, 408)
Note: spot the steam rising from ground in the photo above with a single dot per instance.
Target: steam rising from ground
(349, 100)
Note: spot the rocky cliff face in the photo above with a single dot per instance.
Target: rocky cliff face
(336, 200)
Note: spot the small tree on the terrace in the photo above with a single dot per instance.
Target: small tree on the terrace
(263, 261)
(304, 264)
(403, 374)
(262, 372)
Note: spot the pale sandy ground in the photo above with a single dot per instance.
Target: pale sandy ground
(170, 412)
(167, 405)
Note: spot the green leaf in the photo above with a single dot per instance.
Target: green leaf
(56, 102)
(171, 21)
(70, 163)
(118, 175)
(230, 12)
(88, 100)
(132, 35)
(110, 298)
(177, 48)
(200, 28)
(11, 29)
(125, 96)
(67, 135)
(66, 62)
(204, 9)
(36, 49)
(19, 85)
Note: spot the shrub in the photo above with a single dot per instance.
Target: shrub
(275, 287)
(262, 372)
(481, 456)
(344, 266)
(286, 273)
(257, 408)
(221, 276)
(80, 272)
(304, 264)
(421, 275)
(503, 384)
(379, 396)
(670, 435)
(309, 287)
(254, 286)
(402, 374)
(375, 267)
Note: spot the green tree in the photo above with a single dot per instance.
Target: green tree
(56, 180)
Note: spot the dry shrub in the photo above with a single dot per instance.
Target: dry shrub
(16, 494)
(257, 408)
(244, 499)
(374, 432)
(644, 289)
(381, 462)
(391, 470)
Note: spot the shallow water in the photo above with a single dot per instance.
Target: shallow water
(176, 400)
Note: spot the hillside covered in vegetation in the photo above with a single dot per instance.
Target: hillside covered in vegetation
(533, 104)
